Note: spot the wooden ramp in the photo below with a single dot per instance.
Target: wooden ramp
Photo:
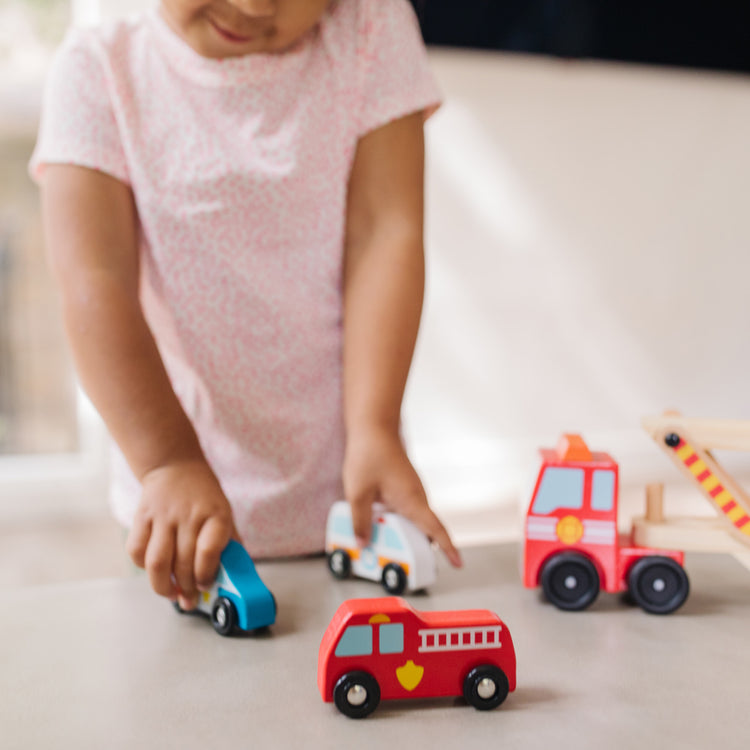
(688, 443)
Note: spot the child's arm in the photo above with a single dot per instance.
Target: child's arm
(383, 291)
(183, 520)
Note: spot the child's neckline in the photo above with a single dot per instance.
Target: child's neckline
(227, 71)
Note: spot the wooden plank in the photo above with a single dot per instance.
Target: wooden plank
(688, 534)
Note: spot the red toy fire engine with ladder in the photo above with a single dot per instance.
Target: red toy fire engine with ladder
(382, 648)
(572, 545)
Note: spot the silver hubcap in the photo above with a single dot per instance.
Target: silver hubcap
(221, 616)
(659, 585)
(391, 578)
(337, 563)
(570, 582)
(486, 688)
(356, 695)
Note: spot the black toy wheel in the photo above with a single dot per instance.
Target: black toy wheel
(223, 616)
(340, 564)
(356, 694)
(394, 579)
(486, 687)
(570, 581)
(658, 584)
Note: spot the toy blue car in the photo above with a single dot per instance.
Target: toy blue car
(238, 600)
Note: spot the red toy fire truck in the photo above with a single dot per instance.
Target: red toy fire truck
(382, 648)
(572, 546)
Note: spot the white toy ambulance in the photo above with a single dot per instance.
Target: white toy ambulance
(399, 555)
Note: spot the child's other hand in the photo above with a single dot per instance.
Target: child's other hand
(376, 468)
(181, 526)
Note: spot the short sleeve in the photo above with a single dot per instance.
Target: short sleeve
(394, 74)
(78, 125)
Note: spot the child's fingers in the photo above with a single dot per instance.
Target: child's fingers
(362, 517)
(137, 541)
(422, 516)
(438, 533)
(159, 560)
(213, 536)
(184, 566)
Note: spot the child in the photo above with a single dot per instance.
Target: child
(232, 195)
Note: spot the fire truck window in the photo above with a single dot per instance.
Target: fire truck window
(390, 537)
(602, 490)
(559, 488)
(356, 641)
(392, 638)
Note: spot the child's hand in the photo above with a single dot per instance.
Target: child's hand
(376, 468)
(181, 526)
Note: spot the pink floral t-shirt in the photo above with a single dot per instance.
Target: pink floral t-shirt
(239, 169)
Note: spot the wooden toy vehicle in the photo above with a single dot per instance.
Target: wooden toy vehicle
(238, 600)
(399, 555)
(688, 443)
(382, 648)
(572, 545)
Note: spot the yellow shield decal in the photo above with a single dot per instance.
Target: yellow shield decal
(409, 675)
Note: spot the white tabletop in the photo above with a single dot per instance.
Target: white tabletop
(107, 664)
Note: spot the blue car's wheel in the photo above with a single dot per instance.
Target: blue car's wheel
(223, 616)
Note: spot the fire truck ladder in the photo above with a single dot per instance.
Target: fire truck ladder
(460, 639)
(688, 443)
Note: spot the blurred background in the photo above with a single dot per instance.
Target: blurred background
(587, 236)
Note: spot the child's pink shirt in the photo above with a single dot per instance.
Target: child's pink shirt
(239, 169)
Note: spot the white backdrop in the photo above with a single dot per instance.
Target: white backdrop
(588, 234)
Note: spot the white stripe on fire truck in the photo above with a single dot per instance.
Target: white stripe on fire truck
(541, 528)
(601, 533)
(536, 522)
(594, 532)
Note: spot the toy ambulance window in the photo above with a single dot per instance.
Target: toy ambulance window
(602, 490)
(356, 641)
(390, 537)
(392, 638)
(559, 488)
(342, 525)
(375, 533)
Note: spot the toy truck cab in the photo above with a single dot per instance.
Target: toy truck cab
(382, 648)
(572, 545)
(399, 554)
